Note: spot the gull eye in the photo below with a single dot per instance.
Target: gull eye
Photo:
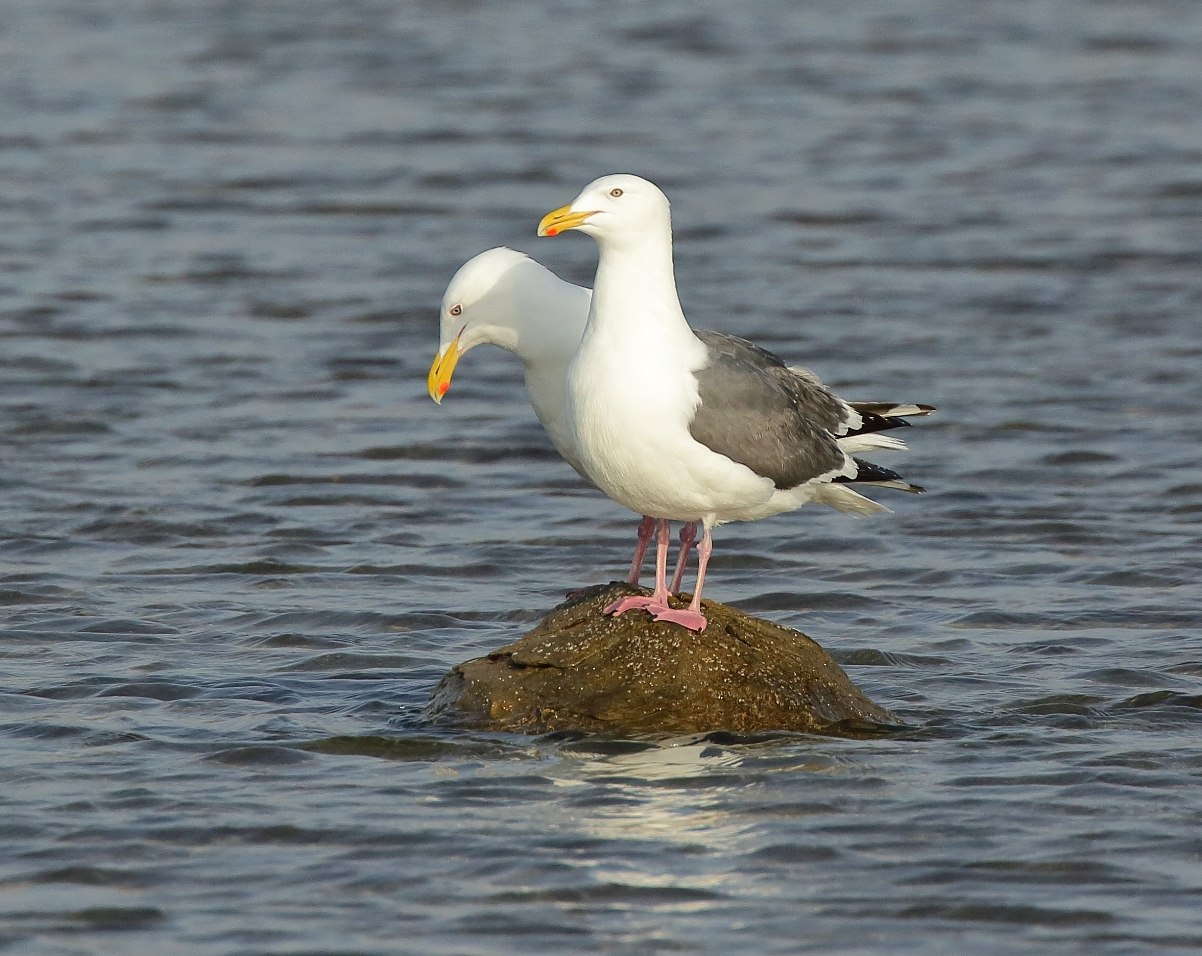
(456, 309)
(616, 192)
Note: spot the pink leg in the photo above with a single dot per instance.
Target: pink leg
(688, 534)
(692, 618)
(646, 527)
(658, 601)
(703, 560)
(663, 537)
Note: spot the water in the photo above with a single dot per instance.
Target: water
(240, 545)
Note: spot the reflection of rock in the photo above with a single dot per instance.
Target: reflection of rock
(581, 670)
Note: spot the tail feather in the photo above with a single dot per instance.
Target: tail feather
(875, 417)
(873, 441)
(842, 498)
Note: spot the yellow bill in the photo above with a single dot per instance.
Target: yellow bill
(561, 220)
(441, 370)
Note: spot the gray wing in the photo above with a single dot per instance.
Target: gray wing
(746, 414)
(819, 404)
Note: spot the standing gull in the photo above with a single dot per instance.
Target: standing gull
(502, 297)
(676, 428)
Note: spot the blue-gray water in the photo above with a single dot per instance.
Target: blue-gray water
(240, 545)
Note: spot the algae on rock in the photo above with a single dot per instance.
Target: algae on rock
(579, 669)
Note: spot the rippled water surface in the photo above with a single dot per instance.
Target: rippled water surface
(240, 545)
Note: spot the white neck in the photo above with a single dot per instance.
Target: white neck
(635, 288)
(548, 327)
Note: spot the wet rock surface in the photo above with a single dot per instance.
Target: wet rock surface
(579, 669)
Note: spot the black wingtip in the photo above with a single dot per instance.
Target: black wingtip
(881, 416)
(872, 422)
(868, 473)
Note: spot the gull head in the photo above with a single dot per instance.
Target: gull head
(480, 307)
(613, 209)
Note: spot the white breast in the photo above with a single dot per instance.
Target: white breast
(630, 417)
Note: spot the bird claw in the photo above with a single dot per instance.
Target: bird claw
(633, 602)
(692, 620)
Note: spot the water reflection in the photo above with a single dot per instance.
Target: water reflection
(237, 532)
(677, 790)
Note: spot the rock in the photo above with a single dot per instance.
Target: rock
(581, 670)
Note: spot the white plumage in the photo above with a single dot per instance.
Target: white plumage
(502, 297)
(675, 429)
